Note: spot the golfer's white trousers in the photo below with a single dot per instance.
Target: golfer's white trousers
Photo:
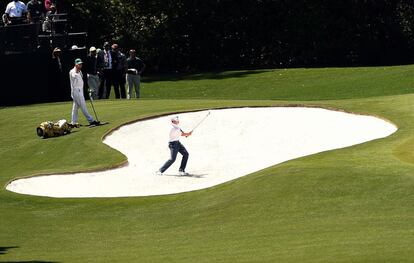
(79, 102)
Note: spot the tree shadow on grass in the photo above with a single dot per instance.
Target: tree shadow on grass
(4, 250)
(201, 76)
(31, 261)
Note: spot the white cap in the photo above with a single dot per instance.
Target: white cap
(174, 118)
(92, 49)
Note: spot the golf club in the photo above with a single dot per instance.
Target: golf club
(200, 121)
(93, 108)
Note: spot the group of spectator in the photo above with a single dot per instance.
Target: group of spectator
(106, 67)
(35, 11)
(110, 67)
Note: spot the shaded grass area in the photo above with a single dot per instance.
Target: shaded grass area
(348, 205)
(285, 84)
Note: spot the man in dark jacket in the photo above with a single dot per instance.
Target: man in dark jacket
(92, 69)
(119, 72)
(110, 63)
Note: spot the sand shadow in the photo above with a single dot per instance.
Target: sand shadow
(190, 175)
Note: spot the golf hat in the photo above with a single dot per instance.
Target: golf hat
(92, 49)
(78, 61)
(174, 118)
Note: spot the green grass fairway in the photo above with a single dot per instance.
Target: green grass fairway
(349, 205)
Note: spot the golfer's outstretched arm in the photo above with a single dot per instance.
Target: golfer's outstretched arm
(186, 134)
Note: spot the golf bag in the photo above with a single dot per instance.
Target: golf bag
(49, 129)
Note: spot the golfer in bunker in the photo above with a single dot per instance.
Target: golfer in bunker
(176, 147)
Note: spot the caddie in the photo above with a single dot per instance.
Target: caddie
(76, 85)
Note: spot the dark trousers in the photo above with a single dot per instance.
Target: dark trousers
(176, 147)
(107, 80)
(119, 84)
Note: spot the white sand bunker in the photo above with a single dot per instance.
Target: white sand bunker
(229, 144)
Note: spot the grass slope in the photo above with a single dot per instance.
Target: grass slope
(285, 84)
(348, 205)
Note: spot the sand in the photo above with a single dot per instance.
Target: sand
(229, 144)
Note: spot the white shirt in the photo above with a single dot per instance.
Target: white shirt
(76, 81)
(175, 133)
(16, 9)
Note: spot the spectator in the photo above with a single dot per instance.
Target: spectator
(35, 11)
(47, 23)
(119, 72)
(56, 56)
(4, 19)
(135, 67)
(15, 12)
(49, 4)
(92, 70)
(100, 64)
(56, 75)
(110, 62)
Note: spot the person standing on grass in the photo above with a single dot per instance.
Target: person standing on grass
(92, 62)
(176, 147)
(110, 62)
(119, 72)
(76, 85)
(135, 67)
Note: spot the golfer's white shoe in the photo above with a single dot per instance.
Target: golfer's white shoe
(182, 173)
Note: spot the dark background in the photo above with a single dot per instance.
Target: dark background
(198, 35)
(203, 35)
(27, 78)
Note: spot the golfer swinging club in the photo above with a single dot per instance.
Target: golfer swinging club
(176, 147)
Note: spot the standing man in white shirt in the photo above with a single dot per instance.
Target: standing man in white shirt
(15, 12)
(76, 85)
(176, 147)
